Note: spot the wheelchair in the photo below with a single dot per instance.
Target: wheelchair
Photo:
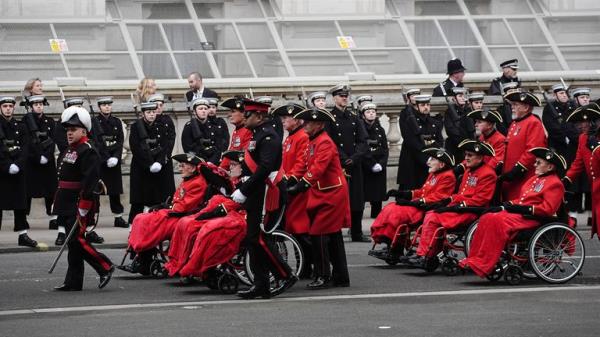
(553, 252)
(152, 262)
(402, 244)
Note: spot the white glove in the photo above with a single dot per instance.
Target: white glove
(43, 160)
(83, 211)
(156, 167)
(377, 168)
(567, 140)
(13, 169)
(238, 197)
(112, 162)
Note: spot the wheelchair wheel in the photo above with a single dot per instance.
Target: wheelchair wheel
(290, 251)
(556, 253)
(238, 263)
(227, 283)
(450, 267)
(157, 270)
(513, 275)
(469, 236)
(496, 274)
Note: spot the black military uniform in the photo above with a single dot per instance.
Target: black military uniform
(418, 132)
(60, 134)
(149, 146)
(409, 108)
(221, 128)
(275, 120)
(41, 164)
(458, 126)
(262, 159)
(14, 148)
(562, 136)
(350, 136)
(496, 87)
(201, 137)
(170, 133)
(444, 88)
(110, 148)
(375, 162)
(78, 175)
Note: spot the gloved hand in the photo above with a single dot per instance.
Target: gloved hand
(515, 173)
(238, 197)
(155, 167)
(43, 160)
(82, 212)
(499, 168)
(300, 187)
(566, 183)
(219, 211)
(519, 209)
(592, 142)
(290, 182)
(377, 168)
(458, 170)
(112, 162)
(13, 169)
(494, 209)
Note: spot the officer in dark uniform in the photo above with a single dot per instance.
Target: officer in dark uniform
(317, 99)
(562, 136)
(275, 120)
(458, 125)
(509, 74)
(410, 107)
(221, 128)
(375, 162)
(582, 96)
(263, 189)
(421, 131)
(476, 101)
(456, 73)
(349, 134)
(170, 133)
(41, 164)
(362, 99)
(78, 176)
(199, 136)
(110, 148)
(150, 184)
(60, 134)
(14, 148)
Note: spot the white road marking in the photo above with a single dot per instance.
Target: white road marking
(298, 299)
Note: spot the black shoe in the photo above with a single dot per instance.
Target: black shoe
(318, 283)
(361, 238)
(379, 253)
(25, 240)
(287, 284)
(104, 279)
(53, 224)
(120, 222)
(416, 261)
(93, 237)
(66, 287)
(60, 239)
(133, 267)
(254, 292)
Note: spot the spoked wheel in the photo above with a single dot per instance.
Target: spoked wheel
(238, 263)
(450, 267)
(227, 283)
(496, 274)
(157, 270)
(513, 275)
(556, 253)
(469, 236)
(289, 249)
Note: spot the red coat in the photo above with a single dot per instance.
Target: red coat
(294, 166)
(476, 187)
(186, 230)
(438, 186)
(328, 203)
(149, 229)
(495, 230)
(589, 162)
(239, 142)
(498, 143)
(523, 134)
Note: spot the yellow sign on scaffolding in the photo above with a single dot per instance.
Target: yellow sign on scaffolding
(346, 42)
(58, 45)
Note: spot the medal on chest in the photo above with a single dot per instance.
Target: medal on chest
(472, 181)
(181, 193)
(252, 145)
(70, 157)
(433, 181)
(538, 186)
(288, 146)
(236, 141)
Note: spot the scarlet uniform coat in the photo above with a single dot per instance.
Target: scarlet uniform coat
(476, 190)
(498, 143)
(495, 230)
(293, 164)
(149, 229)
(239, 142)
(186, 230)
(523, 134)
(438, 186)
(590, 163)
(328, 204)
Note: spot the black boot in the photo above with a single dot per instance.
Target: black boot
(93, 237)
(133, 267)
(120, 222)
(104, 279)
(25, 240)
(53, 224)
(319, 283)
(254, 292)
(60, 239)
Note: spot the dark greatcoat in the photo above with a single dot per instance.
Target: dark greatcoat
(41, 179)
(13, 150)
(375, 184)
(110, 144)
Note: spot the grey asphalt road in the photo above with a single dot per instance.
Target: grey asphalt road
(382, 301)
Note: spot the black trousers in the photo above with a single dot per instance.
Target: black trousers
(356, 227)
(135, 210)
(115, 204)
(264, 255)
(20, 220)
(48, 200)
(306, 246)
(328, 251)
(375, 208)
(80, 250)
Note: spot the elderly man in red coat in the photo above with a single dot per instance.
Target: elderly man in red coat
(524, 133)
(476, 190)
(541, 195)
(410, 206)
(485, 124)
(328, 202)
(587, 158)
(149, 229)
(241, 136)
